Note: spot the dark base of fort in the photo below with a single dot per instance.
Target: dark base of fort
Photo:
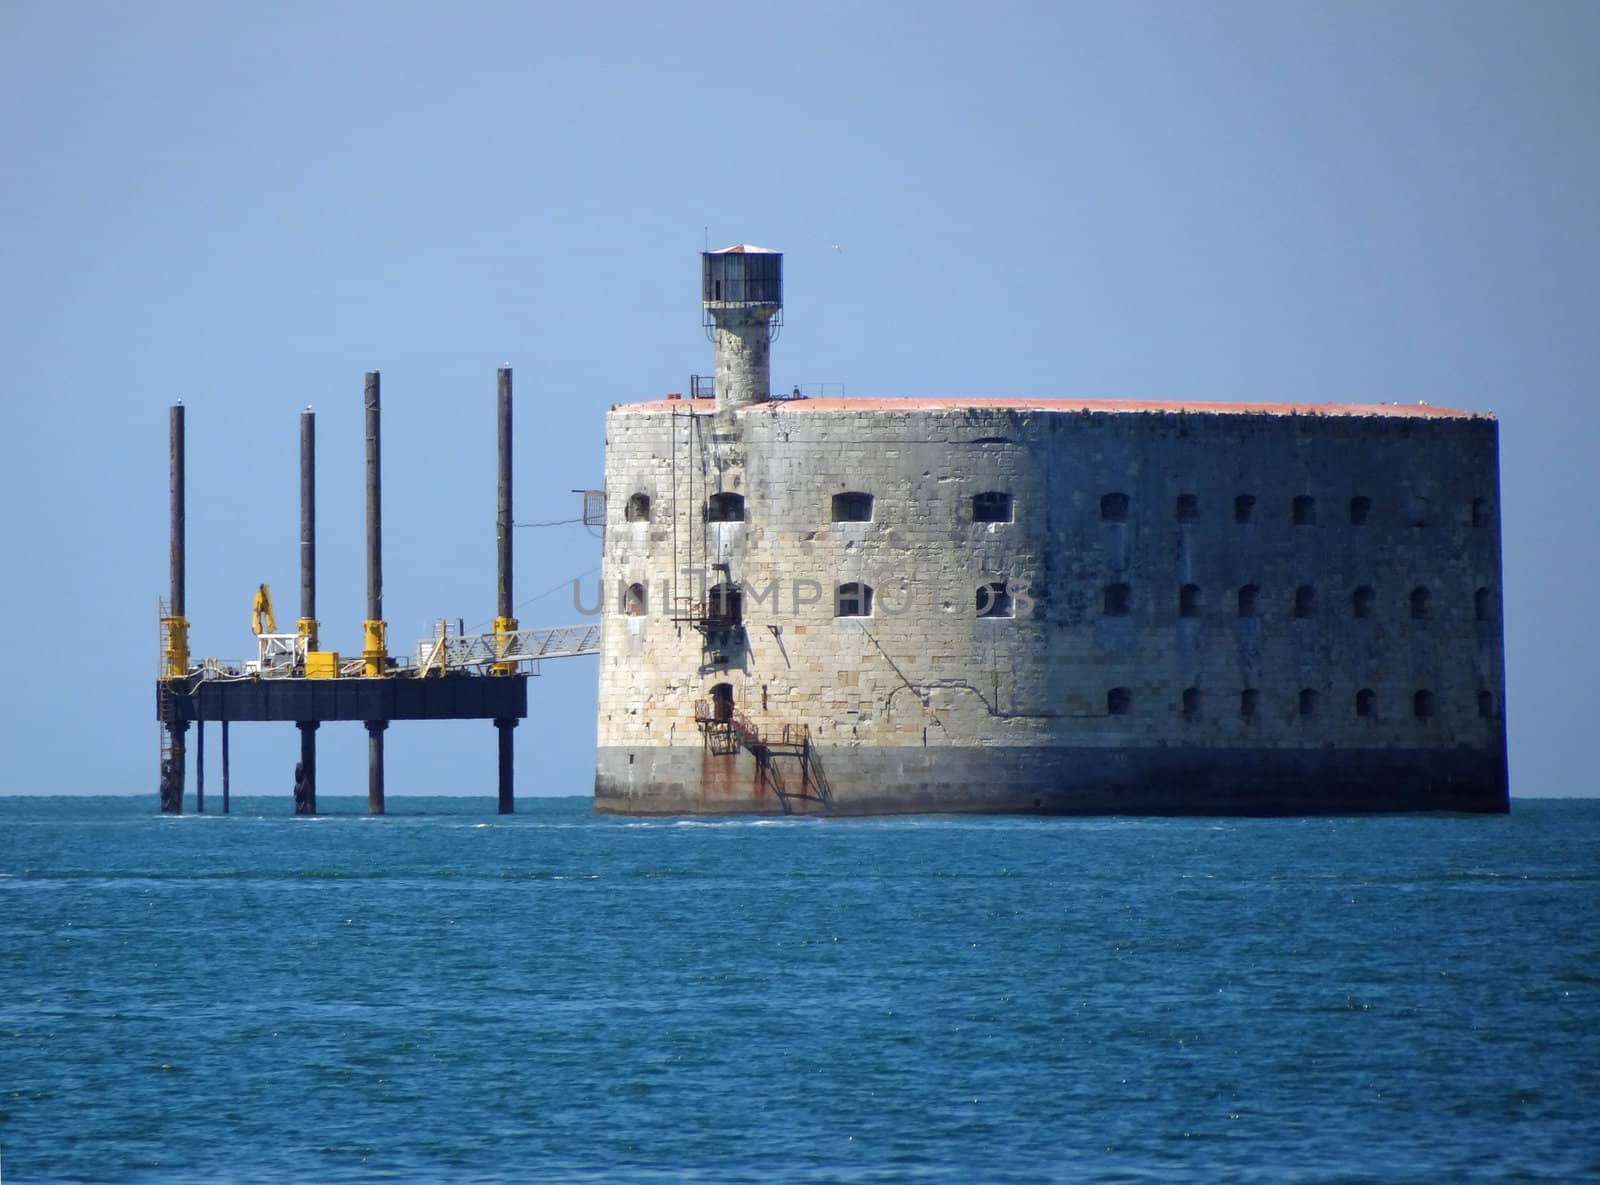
(1064, 781)
(448, 697)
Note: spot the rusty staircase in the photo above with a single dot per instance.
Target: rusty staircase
(728, 732)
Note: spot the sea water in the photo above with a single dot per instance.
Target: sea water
(444, 994)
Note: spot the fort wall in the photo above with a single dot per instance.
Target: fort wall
(1056, 606)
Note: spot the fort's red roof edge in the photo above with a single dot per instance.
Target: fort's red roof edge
(1110, 406)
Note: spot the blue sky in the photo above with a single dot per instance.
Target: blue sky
(247, 206)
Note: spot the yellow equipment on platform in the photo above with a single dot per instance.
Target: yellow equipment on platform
(261, 613)
(322, 664)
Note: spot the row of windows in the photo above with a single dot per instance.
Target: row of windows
(995, 506)
(1308, 702)
(853, 506)
(1117, 601)
(854, 599)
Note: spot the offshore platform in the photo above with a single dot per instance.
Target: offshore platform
(292, 679)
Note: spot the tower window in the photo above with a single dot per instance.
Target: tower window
(1360, 510)
(726, 604)
(1249, 701)
(993, 600)
(1366, 702)
(1422, 705)
(1248, 595)
(852, 507)
(1361, 601)
(725, 508)
(1188, 508)
(1304, 510)
(1305, 601)
(1486, 704)
(1119, 701)
(634, 601)
(638, 509)
(722, 702)
(991, 506)
(1191, 703)
(1244, 507)
(853, 600)
(1117, 599)
(1114, 507)
(1483, 605)
(1421, 603)
(1189, 601)
(1482, 514)
(1308, 702)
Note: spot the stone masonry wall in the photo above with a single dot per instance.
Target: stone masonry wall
(1112, 514)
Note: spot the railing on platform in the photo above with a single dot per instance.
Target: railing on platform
(704, 386)
(279, 656)
(283, 656)
(459, 652)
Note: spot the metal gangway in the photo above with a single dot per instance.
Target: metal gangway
(523, 648)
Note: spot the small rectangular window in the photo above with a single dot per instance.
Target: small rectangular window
(853, 599)
(853, 506)
(991, 506)
(993, 600)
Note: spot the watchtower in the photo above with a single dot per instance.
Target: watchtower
(741, 294)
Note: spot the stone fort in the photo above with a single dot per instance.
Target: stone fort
(889, 605)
